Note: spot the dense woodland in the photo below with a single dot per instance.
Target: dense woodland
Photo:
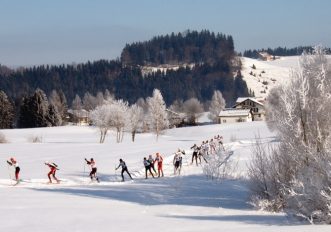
(213, 55)
(281, 51)
(188, 47)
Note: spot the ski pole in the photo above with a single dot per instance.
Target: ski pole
(84, 171)
(115, 175)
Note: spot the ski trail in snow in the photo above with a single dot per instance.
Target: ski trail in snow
(137, 171)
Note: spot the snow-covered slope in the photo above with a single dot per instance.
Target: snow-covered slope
(188, 202)
(268, 73)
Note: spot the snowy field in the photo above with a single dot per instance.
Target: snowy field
(188, 202)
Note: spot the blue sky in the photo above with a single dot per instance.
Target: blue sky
(66, 31)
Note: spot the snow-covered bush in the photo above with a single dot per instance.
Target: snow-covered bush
(3, 138)
(219, 165)
(298, 170)
(35, 139)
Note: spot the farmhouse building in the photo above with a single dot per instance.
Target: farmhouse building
(256, 107)
(231, 115)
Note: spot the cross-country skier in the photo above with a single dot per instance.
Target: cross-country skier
(12, 162)
(124, 169)
(93, 173)
(159, 160)
(52, 172)
(178, 161)
(212, 146)
(147, 165)
(220, 142)
(151, 161)
(196, 150)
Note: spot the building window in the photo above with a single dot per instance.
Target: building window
(224, 121)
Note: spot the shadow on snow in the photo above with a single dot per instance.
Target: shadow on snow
(191, 190)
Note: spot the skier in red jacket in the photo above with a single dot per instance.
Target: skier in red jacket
(52, 172)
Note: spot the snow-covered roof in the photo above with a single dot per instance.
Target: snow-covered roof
(241, 99)
(232, 112)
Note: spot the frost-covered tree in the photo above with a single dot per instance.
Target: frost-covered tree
(100, 117)
(89, 102)
(300, 111)
(112, 114)
(118, 111)
(107, 95)
(193, 110)
(53, 115)
(177, 106)
(217, 104)
(77, 107)
(77, 103)
(6, 112)
(157, 113)
(136, 117)
(99, 99)
(59, 101)
(143, 104)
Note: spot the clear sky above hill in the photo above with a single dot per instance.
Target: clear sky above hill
(66, 31)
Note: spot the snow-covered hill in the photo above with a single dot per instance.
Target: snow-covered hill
(189, 202)
(268, 73)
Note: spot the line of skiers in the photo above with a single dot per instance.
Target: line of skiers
(208, 147)
(53, 168)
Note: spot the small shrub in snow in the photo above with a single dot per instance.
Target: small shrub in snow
(219, 166)
(35, 139)
(3, 138)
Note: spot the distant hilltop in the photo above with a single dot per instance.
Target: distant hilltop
(190, 64)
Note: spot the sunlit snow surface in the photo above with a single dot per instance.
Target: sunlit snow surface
(188, 202)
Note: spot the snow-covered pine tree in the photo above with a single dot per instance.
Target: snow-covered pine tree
(34, 111)
(59, 100)
(217, 104)
(53, 115)
(158, 116)
(6, 112)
